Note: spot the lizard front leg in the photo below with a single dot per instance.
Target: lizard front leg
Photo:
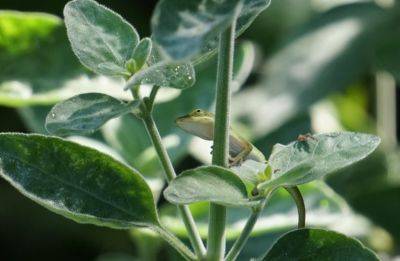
(239, 158)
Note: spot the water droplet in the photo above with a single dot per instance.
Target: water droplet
(53, 115)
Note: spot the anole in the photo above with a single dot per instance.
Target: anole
(201, 124)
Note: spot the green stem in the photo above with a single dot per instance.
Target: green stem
(245, 235)
(162, 153)
(152, 97)
(175, 243)
(301, 209)
(216, 230)
(386, 110)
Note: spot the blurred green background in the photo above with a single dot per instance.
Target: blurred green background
(304, 66)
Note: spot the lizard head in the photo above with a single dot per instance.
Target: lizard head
(198, 122)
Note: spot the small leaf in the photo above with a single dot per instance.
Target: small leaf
(142, 52)
(188, 28)
(318, 244)
(304, 161)
(252, 173)
(99, 35)
(113, 69)
(77, 182)
(85, 113)
(165, 74)
(211, 183)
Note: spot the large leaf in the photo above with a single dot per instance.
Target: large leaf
(165, 74)
(318, 244)
(212, 184)
(324, 209)
(77, 182)
(306, 160)
(187, 28)
(324, 56)
(31, 74)
(85, 113)
(102, 39)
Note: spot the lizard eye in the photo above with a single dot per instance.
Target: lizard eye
(198, 111)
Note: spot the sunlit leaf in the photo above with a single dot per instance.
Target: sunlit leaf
(188, 28)
(165, 74)
(99, 36)
(306, 160)
(324, 209)
(141, 53)
(212, 184)
(85, 113)
(77, 182)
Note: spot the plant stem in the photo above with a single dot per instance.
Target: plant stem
(245, 235)
(301, 209)
(152, 97)
(216, 230)
(162, 153)
(175, 243)
(386, 110)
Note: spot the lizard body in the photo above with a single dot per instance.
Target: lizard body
(201, 124)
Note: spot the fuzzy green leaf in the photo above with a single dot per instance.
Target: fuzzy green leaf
(77, 182)
(188, 28)
(303, 161)
(211, 183)
(85, 113)
(141, 53)
(318, 244)
(165, 74)
(99, 35)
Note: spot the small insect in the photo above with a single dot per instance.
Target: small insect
(305, 137)
(255, 192)
(276, 170)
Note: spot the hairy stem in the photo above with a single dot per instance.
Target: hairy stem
(245, 235)
(216, 231)
(166, 163)
(301, 209)
(175, 243)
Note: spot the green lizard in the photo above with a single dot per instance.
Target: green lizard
(201, 124)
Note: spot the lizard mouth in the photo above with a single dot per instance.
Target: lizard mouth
(180, 119)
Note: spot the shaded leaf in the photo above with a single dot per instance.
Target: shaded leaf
(295, 77)
(99, 35)
(187, 28)
(318, 244)
(77, 182)
(304, 161)
(211, 183)
(165, 74)
(85, 113)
